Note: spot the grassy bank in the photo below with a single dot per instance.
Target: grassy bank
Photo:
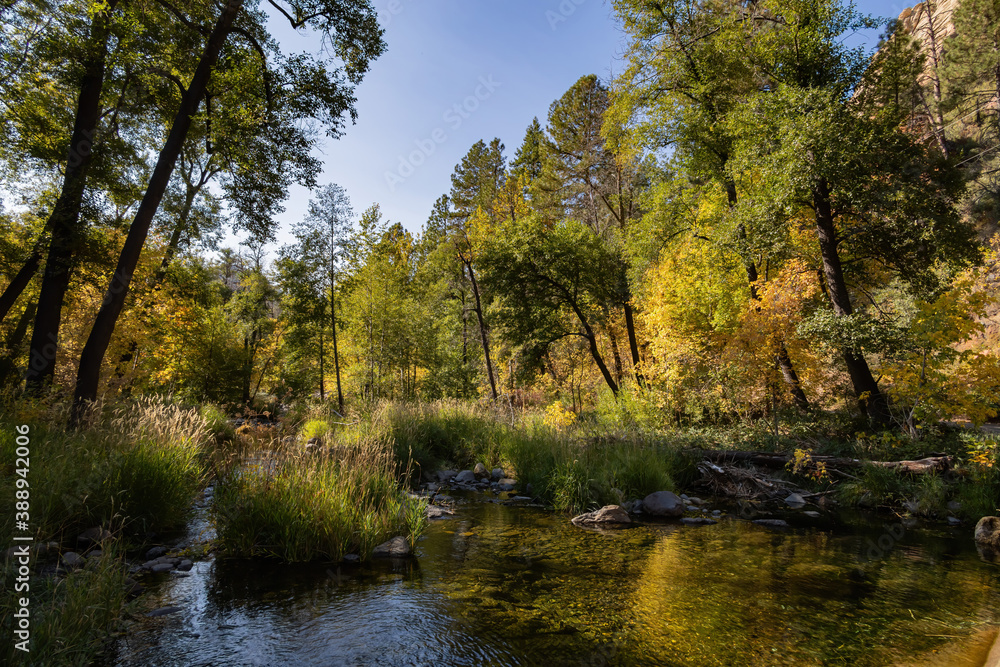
(136, 469)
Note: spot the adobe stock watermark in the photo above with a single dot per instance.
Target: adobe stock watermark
(390, 10)
(454, 117)
(562, 13)
(881, 548)
(21, 553)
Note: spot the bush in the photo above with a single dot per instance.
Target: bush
(315, 428)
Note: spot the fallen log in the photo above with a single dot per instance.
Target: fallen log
(777, 460)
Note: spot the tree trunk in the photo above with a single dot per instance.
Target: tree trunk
(483, 331)
(20, 282)
(633, 344)
(788, 373)
(871, 399)
(64, 222)
(336, 353)
(8, 362)
(89, 375)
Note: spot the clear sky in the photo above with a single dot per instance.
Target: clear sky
(457, 71)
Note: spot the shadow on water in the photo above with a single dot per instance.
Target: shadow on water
(497, 585)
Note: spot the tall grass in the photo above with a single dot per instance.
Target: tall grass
(71, 616)
(566, 467)
(301, 507)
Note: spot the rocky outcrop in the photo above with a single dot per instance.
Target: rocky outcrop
(609, 515)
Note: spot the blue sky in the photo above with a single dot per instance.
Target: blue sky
(501, 62)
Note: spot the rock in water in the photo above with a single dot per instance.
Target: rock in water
(663, 503)
(795, 500)
(772, 523)
(446, 475)
(507, 484)
(988, 532)
(480, 470)
(607, 515)
(497, 474)
(465, 477)
(397, 547)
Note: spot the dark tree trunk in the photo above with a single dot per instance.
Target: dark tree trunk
(633, 344)
(336, 352)
(89, 375)
(8, 362)
(64, 222)
(788, 373)
(20, 282)
(871, 399)
(483, 330)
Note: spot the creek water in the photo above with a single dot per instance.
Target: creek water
(507, 585)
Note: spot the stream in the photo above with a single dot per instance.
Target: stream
(507, 585)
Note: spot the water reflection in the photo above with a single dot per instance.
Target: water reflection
(501, 585)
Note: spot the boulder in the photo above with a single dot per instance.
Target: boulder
(465, 477)
(507, 484)
(185, 565)
(480, 470)
(497, 474)
(607, 515)
(663, 503)
(397, 547)
(988, 532)
(446, 475)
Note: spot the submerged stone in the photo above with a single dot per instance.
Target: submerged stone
(772, 523)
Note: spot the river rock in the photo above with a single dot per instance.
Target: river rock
(480, 470)
(164, 611)
(507, 484)
(607, 515)
(812, 515)
(698, 521)
(397, 547)
(772, 523)
(446, 475)
(988, 532)
(795, 500)
(497, 474)
(663, 503)
(161, 567)
(435, 512)
(352, 559)
(93, 535)
(465, 477)
(185, 565)
(72, 560)
(156, 552)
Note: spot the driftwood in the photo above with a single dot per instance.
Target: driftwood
(832, 463)
(724, 480)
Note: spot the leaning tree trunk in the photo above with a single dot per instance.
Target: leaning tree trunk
(64, 222)
(871, 399)
(483, 331)
(633, 343)
(20, 282)
(89, 375)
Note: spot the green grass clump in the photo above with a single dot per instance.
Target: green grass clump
(71, 616)
(217, 423)
(314, 428)
(303, 508)
(138, 468)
